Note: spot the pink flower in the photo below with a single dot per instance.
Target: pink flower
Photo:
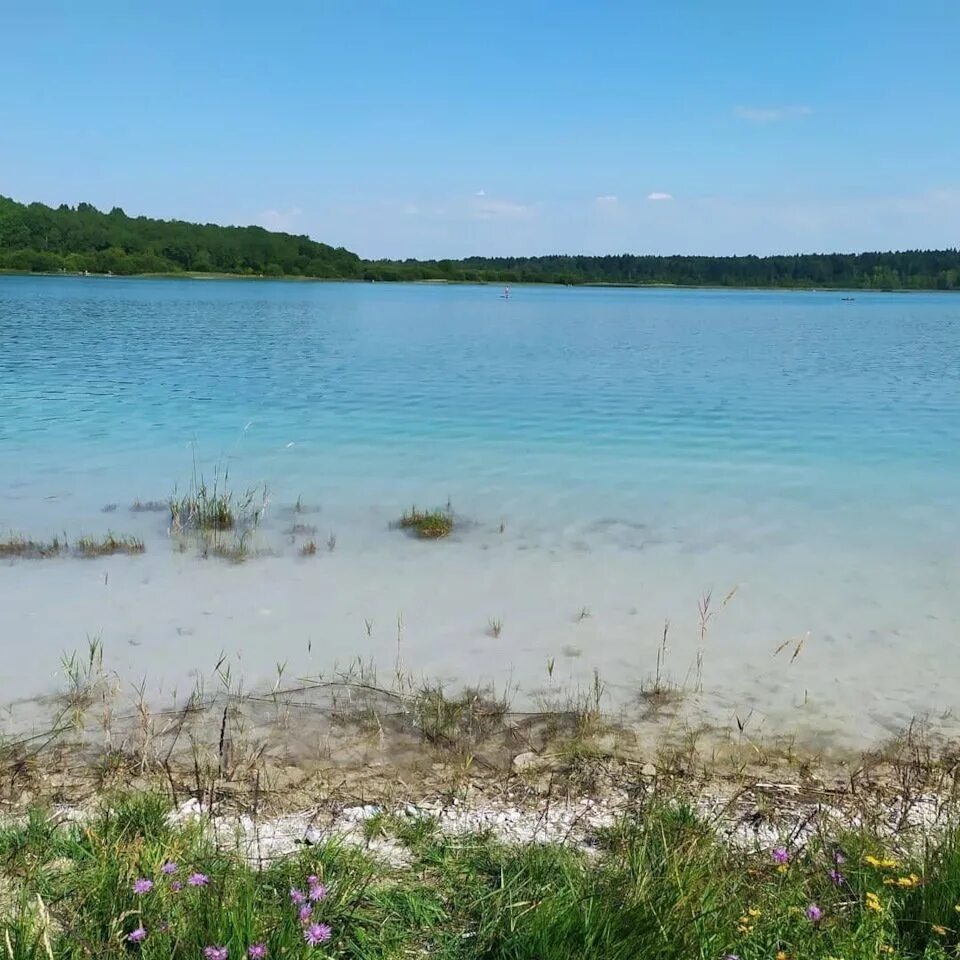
(198, 879)
(297, 896)
(781, 856)
(168, 868)
(176, 886)
(137, 936)
(215, 953)
(306, 912)
(257, 951)
(317, 933)
(142, 885)
(814, 913)
(318, 891)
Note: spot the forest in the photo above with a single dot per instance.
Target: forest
(82, 239)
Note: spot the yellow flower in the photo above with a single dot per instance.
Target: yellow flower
(753, 912)
(873, 902)
(885, 864)
(886, 948)
(783, 955)
(938, 930)
(908, 882)
(783, 868)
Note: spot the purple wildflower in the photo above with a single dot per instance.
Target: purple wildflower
(318, 891)
(176, 886)
(312, 880)
(297, 896)
(814, 913)
(838, 878)
(781, 856)
(306, 912)
(168, 868)
(317, 933)
(143, 885)
(257, 951)
(198, 879)
(137, 936)
(215, 953)
(730, 956)
(839, 858)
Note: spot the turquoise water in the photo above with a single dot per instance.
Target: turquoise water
(638, 447)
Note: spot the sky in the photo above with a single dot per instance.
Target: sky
(447, 129)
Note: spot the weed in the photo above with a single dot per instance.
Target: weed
(17, 545)
(150, 506)
(331, 543)
(495, 628)
(309, 549)
(108, 545)
(429, 524)
(301, 530)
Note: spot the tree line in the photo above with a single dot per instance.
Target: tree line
(38, 238)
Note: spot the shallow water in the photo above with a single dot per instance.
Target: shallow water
(639, 448)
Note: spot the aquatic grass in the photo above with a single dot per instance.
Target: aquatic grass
(427, 524)
(108, 545)
(18, 546)
(150, 506)
(216, 508)
(309, 549)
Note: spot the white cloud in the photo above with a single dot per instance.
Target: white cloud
(771, 114)
(658, 195)
(279, 221)
(607, 198)
(480, 193)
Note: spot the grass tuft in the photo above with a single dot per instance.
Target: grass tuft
(108, 545)
(428, 524)
(16, 545)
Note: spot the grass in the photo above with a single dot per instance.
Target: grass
(309, 549)
(428, 524)
(216, 508)
(149, 506)
(658, 884)
(16, 545)
(108, 545)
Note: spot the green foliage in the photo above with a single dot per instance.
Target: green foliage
(661, 884)
(427, 524)
(34, 237)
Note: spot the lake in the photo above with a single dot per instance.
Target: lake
(614, 457)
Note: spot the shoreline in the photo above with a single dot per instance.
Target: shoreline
(593, 285)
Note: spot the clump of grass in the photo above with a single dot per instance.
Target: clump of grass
(495, 627)
(309, 549)
(108, 545)
(427, 524)
(149, 506)
(215, 509)
(16, 545)
(235, 549)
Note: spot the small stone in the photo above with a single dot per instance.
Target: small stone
(525, 761)
(648, 770)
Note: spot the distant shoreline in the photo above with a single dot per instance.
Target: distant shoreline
(591, 284)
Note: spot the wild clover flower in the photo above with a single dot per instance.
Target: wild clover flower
(198, 879)
(306, 912)
(137, 936)
(168, 868)
(297, 896)
(257, 951)
(176, 886)
(838, 857)
(143, 885)
(814, 913)
(317, 933)
(318, 891)
(837, 877)
(215, 953)
(781, 856)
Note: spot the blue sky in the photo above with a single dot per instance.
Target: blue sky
(448, 129)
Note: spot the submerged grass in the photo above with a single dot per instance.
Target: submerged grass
(658, 884)
(108, 545)
(16, 545)
(427, 524)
